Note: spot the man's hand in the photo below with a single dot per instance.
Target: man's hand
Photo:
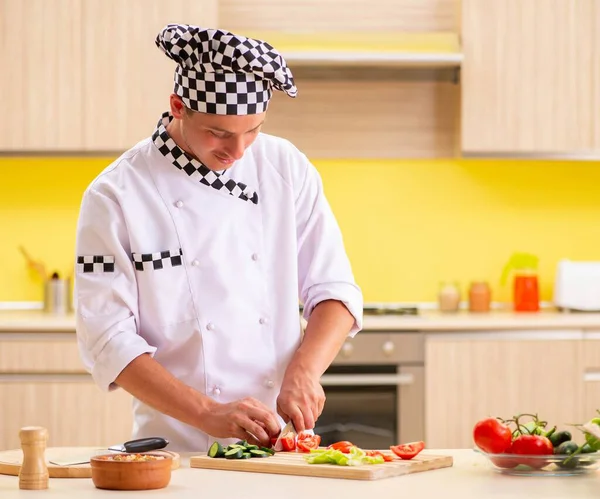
(246, 419)
(301, 399)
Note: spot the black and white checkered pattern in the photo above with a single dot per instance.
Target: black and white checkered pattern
(194, 168)
(95, 263)
(219, 72)
(156, 261)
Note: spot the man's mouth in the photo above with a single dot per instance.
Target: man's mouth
(223, 160)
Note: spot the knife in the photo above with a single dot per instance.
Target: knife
(141, 445)
(288, 428)
(131, 447)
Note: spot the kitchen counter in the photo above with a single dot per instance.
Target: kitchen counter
(14, 321)
(470, 477)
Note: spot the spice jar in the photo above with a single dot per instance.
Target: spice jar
(480, 297)
(449, 297)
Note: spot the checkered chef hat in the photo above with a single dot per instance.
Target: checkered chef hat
(222, 73)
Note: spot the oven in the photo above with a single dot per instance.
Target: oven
(375, 391)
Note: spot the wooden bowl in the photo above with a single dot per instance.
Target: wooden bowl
(128, 472)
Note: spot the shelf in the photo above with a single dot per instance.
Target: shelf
(435, 50)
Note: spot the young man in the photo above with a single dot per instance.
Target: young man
(194, 248)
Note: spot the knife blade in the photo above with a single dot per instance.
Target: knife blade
(288, 428)
(131, 447)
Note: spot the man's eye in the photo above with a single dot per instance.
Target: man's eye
(216, 134)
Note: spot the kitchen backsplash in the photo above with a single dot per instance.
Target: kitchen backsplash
(407, 224)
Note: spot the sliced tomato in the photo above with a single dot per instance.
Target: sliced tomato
(375, 453)
(343, 446)
(407, 451)
(288, 442)
(306, 442)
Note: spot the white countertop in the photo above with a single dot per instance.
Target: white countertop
(470, 477)
(15, 321)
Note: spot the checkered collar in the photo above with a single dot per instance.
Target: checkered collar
(194, 168)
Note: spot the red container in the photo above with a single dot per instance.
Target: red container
(526, 295)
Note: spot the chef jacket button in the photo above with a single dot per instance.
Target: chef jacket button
(263, 320)
(216, 390)
(210, 326)
(255, 256)
(269, 383)
(179, 204)
(195, 263)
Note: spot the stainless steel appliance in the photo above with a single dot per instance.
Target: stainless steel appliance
(375, 389)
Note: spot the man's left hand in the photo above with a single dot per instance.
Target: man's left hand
(301, 399)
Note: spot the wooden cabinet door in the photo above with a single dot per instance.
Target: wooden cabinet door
(590, 369)
(73, 409)
(127, 80)
(528, 76)
(86, 75)
(471, 376)
(40, 78)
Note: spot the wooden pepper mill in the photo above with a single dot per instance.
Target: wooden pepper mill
(33, 474)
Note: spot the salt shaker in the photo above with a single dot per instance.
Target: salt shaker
(33, 474)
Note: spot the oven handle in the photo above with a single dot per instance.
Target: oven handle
(367, 379)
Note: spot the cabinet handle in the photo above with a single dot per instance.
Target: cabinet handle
(347, 349)
(366, 379)
(45, 378)
(388, 348)
(590, 376)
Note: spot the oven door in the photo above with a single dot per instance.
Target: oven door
(364, 404)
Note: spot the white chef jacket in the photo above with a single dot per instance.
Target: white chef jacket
(205, 271)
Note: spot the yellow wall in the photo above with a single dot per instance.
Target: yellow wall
(407, 224)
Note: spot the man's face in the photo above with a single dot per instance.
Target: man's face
(218, 141)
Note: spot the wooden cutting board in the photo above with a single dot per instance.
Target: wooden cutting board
(292, 463)
(11, 460)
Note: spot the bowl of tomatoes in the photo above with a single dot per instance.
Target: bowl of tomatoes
(525, 445)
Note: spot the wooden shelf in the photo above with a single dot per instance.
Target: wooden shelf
(439, 49)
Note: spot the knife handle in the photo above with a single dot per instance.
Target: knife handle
(145, 444)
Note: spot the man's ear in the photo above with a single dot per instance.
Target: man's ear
(178, 108)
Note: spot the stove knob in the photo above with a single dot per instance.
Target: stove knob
(347, 349)
(388, 347)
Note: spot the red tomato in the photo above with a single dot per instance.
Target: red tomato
(306, 442)
(288, 442)
(375, 453)
(343, 446)
(532, 445)
(492, 436)
(407, 451)
(505, 462)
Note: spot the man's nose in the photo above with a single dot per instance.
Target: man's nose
(236, 147)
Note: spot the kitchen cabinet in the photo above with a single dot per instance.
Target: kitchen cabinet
(71, 407)
(590, 354)
(41, 77)
(529, 77)
(42, 382)
(86, 76)
(474, 375)
(127, 80)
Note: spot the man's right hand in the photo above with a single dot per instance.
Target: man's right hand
(247, 419)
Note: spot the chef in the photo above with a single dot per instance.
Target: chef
(196, 246)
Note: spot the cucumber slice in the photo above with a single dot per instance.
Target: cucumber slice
(216, 450)
(234, 453)
(243, 443)
(246, 455)
(268, 451)
(259, 453)
(251, 446)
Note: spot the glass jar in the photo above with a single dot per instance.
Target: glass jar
(480, 297)
(449, 297)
